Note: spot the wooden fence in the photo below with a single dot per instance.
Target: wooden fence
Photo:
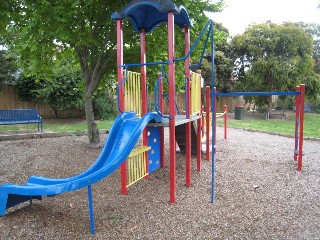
(9, 100)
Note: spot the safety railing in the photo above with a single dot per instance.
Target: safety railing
(222, 114)
(137, 164)
(132, 92)
(158, 96)
(195, 93)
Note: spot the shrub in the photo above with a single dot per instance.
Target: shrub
(104, 106)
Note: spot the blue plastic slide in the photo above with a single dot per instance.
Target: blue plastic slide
(123, 136)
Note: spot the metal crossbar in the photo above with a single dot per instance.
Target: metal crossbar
(236, 94)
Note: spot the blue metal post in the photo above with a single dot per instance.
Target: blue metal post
(212, 110)
(91, 215)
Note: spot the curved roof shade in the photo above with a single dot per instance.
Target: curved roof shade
(149, 14)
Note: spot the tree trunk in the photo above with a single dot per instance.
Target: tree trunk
(93, 131)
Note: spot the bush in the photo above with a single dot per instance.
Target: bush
(105, 106)
(316, 105)
(285, 103)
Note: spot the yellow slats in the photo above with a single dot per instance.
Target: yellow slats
(132, 93)
(136, 164)
(195, 93)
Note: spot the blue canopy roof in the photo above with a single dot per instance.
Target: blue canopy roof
(149, 14)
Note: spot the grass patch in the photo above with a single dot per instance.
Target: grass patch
(59, 125)
(311, 125)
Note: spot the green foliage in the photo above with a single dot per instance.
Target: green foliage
(157, 41)
(223, 64)
(62, 92)
(316, 105)
(39, 32)
(27, 86)
(313, 29)
(8, 70)
(272, 57)
(285, 102)
(105, 106)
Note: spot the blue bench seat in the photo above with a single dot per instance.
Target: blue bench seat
(20, 116)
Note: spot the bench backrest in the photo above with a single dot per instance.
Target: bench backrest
(19, 114)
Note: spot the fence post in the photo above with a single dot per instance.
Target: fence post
(302, 89)
(225, 108)
(296, 132)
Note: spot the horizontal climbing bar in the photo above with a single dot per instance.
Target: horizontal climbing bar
(235, 94)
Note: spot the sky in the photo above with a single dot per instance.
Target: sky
(239, 14)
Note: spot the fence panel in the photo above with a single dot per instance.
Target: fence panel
(9, 100)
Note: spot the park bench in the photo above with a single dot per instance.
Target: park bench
(275, 113)
(20, 116)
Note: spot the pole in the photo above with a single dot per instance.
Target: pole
(172, 109)
(123, 168)
(302, 89)
(296, 132)
(215, 122)
(199, 130)
(188, 103)
(213, 110)
(144, 90)
(225, 108)
(162, 162)
(91, 212)
(208, 123)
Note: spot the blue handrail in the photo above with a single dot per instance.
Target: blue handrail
(118, 90)
(157, 98)
(204, 49)
(196, 42)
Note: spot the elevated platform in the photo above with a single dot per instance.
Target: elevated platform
(180, 119)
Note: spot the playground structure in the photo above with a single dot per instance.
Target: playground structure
(134, 119)
(145, 17)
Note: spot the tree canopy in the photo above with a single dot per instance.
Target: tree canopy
(272, 57)
(313, 29)
(38, 32)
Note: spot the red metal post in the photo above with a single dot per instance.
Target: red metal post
(162, 162)
(120, 60)
(144, 90)
(188, 106)
(172, 109)
(208, 129)
(296, 132)
(225, 108)
(302, 89)
(215, 123)
(123, 168)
